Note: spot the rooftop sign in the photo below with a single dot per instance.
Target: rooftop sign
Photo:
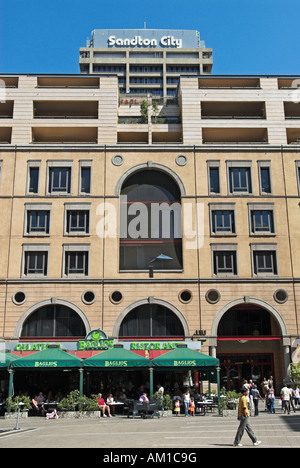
(138, 41)
(145, 38)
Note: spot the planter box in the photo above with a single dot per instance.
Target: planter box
(79, 414)
(14, 415)
(230, 413)
(165, 414)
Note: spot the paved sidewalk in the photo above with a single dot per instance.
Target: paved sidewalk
(210, 431)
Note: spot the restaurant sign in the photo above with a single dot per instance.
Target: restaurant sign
(96, 340)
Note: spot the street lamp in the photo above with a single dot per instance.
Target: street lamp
(160, 257)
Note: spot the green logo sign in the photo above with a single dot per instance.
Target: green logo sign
(96, 340)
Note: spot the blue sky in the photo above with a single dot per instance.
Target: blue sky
(247, 36)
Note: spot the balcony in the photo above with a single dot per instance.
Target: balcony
(229, 83)
(233, 110)
(234, 136)
(6, 110)
(5, 135)
(65, 109)
(67, 82)
(293, 136)
(65, 135)
(292, 110)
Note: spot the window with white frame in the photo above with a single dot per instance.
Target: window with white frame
(264, 172)
(76, 260)
(37, 219)
(222, 217)
(59, 177)
(224, 259)
(35, 260)
(264, 259)
(77, 219)
(85, 171)
(261, 219)
(33, 177)
(239, 177)
(213, 175)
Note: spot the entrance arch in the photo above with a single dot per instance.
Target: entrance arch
(249, 337)
(254, 301)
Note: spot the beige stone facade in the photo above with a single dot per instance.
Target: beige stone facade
(225, 122)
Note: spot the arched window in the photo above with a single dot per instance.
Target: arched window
(151, 320)
(53, 321)
(246, 320)
(150, 222)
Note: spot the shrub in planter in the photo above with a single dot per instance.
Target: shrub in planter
(12, 404)
(165, 402)
(75, 402)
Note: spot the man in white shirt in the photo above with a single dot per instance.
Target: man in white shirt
(286, 395)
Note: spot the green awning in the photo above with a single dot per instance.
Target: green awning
(185, 358)
(116, 358)
(51, 358)
(6, 359)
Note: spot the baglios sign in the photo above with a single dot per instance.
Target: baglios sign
(138, 41)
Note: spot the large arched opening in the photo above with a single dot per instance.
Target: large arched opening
(249, 336)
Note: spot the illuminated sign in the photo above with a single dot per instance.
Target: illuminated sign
(96, 340)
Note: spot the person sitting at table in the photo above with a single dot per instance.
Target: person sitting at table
(143, 398)
(41, 401)
(110, 401)
(103, 407)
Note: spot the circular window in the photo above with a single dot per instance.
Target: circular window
(181, 160)
(212, 296)
(117, 160)
(19, 298)
(88, 297)
(185, 296)
(281, 296)
(116, 297)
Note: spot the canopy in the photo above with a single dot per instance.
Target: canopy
(6, 359)
(185, 358)
(51, 358)
(116, 358)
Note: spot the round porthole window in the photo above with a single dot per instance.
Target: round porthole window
(185, 296)
(181, 160)
(88, 297)
(281, 296)
(116, 297)
(19, 298)
(117, 160)
(213, 296)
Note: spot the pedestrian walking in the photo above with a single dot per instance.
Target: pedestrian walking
(271, 400)
(286, 397)
(297, 396)
(292, 398)
(243, 417)
(255, 397)
(186, 402)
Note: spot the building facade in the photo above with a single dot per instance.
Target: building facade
(153, 231)
(146, 60)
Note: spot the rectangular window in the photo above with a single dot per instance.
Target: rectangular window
(265, 180)
(262, 222)
(76, 263)
(59, 180)
(85, 180)
(33, 176)
(213, 174)
(38, 222)
(78, 221)
(35, 263)
(223, 222)
(224, 262)
(240, 180)
(264, 262)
